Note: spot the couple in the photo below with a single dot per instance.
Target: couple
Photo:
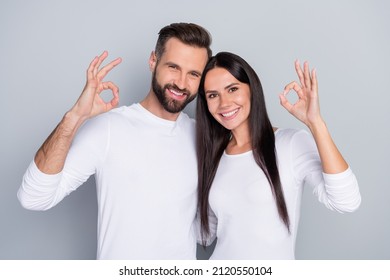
(145, 158)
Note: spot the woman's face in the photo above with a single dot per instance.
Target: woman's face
(228, 99)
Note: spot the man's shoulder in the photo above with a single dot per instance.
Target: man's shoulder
(122, 111)
(103, 120)
(186, 118)
(187, 122)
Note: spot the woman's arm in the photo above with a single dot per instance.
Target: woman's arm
(307, 110)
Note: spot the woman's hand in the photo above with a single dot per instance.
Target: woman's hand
(307, 108)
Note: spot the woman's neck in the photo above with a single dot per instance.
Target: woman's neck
(240, 142)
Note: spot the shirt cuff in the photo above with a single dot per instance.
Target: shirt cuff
(338, 179)
(38, 176)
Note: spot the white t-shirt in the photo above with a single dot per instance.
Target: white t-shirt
(246, 220)
(146, 179)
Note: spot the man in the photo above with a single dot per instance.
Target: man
(143, 156)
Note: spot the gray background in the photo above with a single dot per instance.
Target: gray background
(46, 47)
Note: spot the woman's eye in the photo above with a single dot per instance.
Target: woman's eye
(233, 89)
(211, 95)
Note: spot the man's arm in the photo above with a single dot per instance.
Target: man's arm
(51, 156)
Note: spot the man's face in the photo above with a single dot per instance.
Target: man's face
(176, 75)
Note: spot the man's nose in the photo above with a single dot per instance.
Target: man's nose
(181, 81)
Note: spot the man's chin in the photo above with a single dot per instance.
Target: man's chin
(175, 107)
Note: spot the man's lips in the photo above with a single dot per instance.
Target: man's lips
(177, 94)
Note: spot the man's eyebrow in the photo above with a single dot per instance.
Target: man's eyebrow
(172, 64)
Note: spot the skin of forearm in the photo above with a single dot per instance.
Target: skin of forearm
(50, 158)
(331, 158)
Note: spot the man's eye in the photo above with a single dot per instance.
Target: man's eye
(194, 74)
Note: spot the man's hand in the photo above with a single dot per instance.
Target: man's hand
(51, 156)
(90, 102)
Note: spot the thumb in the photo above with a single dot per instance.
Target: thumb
(284, 102)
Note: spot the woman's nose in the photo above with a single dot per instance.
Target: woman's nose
(224, 100)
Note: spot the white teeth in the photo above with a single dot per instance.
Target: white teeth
(177, 93)
(230, 113)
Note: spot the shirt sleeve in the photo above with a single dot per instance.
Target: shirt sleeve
(339, 192)
(40, 191)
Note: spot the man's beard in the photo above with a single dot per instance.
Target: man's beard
(169, 104)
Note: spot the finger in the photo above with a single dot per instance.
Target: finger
(102, 57)
(91, 67)
(314, 80)
(285, 103)
(299, 71)
(110, 86)
(115, 91)
(103, 72)
(114, 102)
(306, 74)
(294, 86)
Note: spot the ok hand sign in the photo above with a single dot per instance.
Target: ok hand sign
(307, 108)
(90, 102)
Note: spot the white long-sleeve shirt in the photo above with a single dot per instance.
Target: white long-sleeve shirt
(146, 179)
(246, 219)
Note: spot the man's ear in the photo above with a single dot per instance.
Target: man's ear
(152, 61)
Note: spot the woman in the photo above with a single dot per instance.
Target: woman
(251, 175)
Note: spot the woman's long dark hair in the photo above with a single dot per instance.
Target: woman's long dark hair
(212, 138)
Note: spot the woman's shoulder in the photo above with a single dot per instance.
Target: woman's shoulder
(294, 140)
(288, 132)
